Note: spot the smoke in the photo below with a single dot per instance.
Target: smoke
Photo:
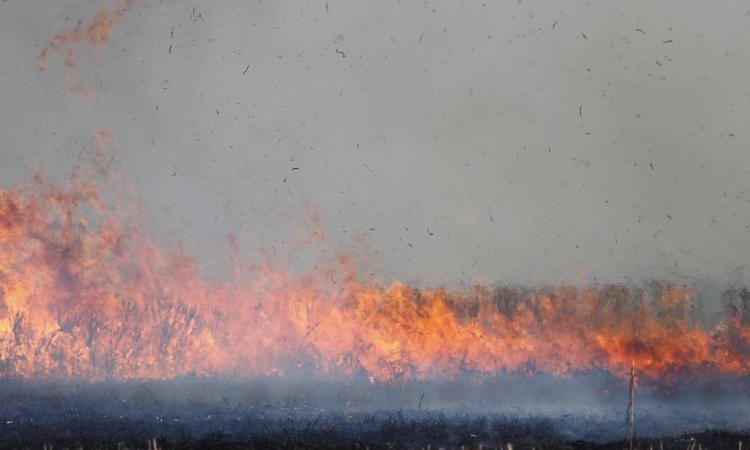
(530, 151)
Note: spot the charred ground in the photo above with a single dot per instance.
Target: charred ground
(302, 413)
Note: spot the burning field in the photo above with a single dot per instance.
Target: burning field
(313, 315)
(154, 347)
(87, 294)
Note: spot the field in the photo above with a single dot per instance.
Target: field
(304, 413)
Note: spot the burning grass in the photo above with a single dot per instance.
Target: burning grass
(86, 293)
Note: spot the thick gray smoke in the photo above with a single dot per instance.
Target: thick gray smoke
(447, 141)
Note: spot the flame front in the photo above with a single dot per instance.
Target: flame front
(84, 292)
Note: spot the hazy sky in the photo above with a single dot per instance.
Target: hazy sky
(533, 138)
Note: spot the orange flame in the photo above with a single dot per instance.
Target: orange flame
(84, 37)
(84, 292)
(95, 33)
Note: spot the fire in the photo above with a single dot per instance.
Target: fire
(82, 41)
(93, 34)
(85, 292)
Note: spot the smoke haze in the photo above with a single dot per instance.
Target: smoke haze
(538, 141)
